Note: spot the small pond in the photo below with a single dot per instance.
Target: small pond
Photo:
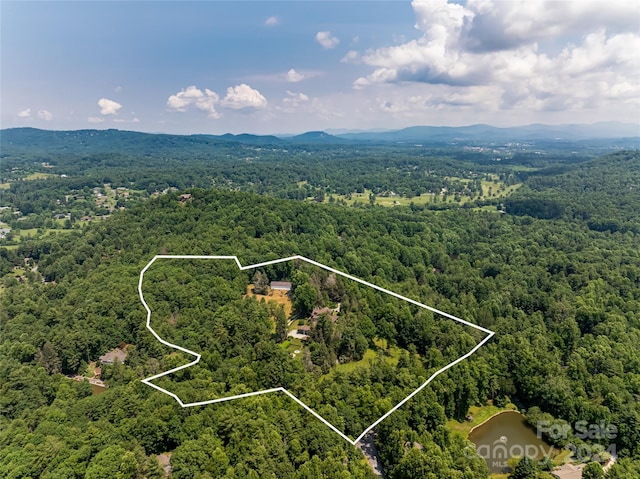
(506, 435)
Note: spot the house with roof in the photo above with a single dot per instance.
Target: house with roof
(568, 471)
(111, 356)
(304, 329)
(280, 285)
(317, 313)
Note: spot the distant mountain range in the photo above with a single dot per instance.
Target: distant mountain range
(491, 133)
(91, 141)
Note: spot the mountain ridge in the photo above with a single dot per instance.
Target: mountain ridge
(90, 139)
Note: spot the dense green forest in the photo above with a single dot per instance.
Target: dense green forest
(556, 276)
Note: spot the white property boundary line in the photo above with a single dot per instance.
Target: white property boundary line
(148, 380)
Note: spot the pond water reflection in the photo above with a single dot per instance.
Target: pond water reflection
(506, 435)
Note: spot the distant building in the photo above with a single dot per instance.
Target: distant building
(280, 285)
(111, 356)
(304, 330)
(185, 197)
(331, 313)
(568, 471)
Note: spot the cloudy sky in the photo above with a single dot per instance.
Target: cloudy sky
(294, 66)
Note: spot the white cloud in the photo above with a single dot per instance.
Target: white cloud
(271, 21)
(295, 99)
(352, 56)
(326, 40)
(513, 46)
(45, 115)
(108, 107)
(243, 96)
(95, 119)
(193, 96)
(294, 77)
(118, 89)
(25, 113)
(498, 25)
(135, 120)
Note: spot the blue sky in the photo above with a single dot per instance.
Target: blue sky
(288, 67)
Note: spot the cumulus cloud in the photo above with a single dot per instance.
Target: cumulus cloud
(108, 107)
(271, 21)
(192, 96)
(294, 77)
(326, 40)
(496, 25)
(243, 97)
(25, 113)
(95, 119)
(45, 115)
(514, 46)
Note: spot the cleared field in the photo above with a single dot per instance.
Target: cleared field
(40, 176)
(390, 355)
(277, 296)
(490, 189)
(21, 236)
(294, 345)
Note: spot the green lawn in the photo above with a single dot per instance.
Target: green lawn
(390, 355)
(40, 176)
(389, 201)
(32, 233)
(294, 345)
(480, 414)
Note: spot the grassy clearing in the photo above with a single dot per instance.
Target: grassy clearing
(389, 355)
(363, 198)
(401, 201)
(563, 456)
(480, 414)
(522, 168)
(12, 274)
(33, 233)
(29, 232)
(295, 344)
(40, 176)
(498, 189)
(276, 296)
(490, 189)
(20, 236)
(489, 208)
